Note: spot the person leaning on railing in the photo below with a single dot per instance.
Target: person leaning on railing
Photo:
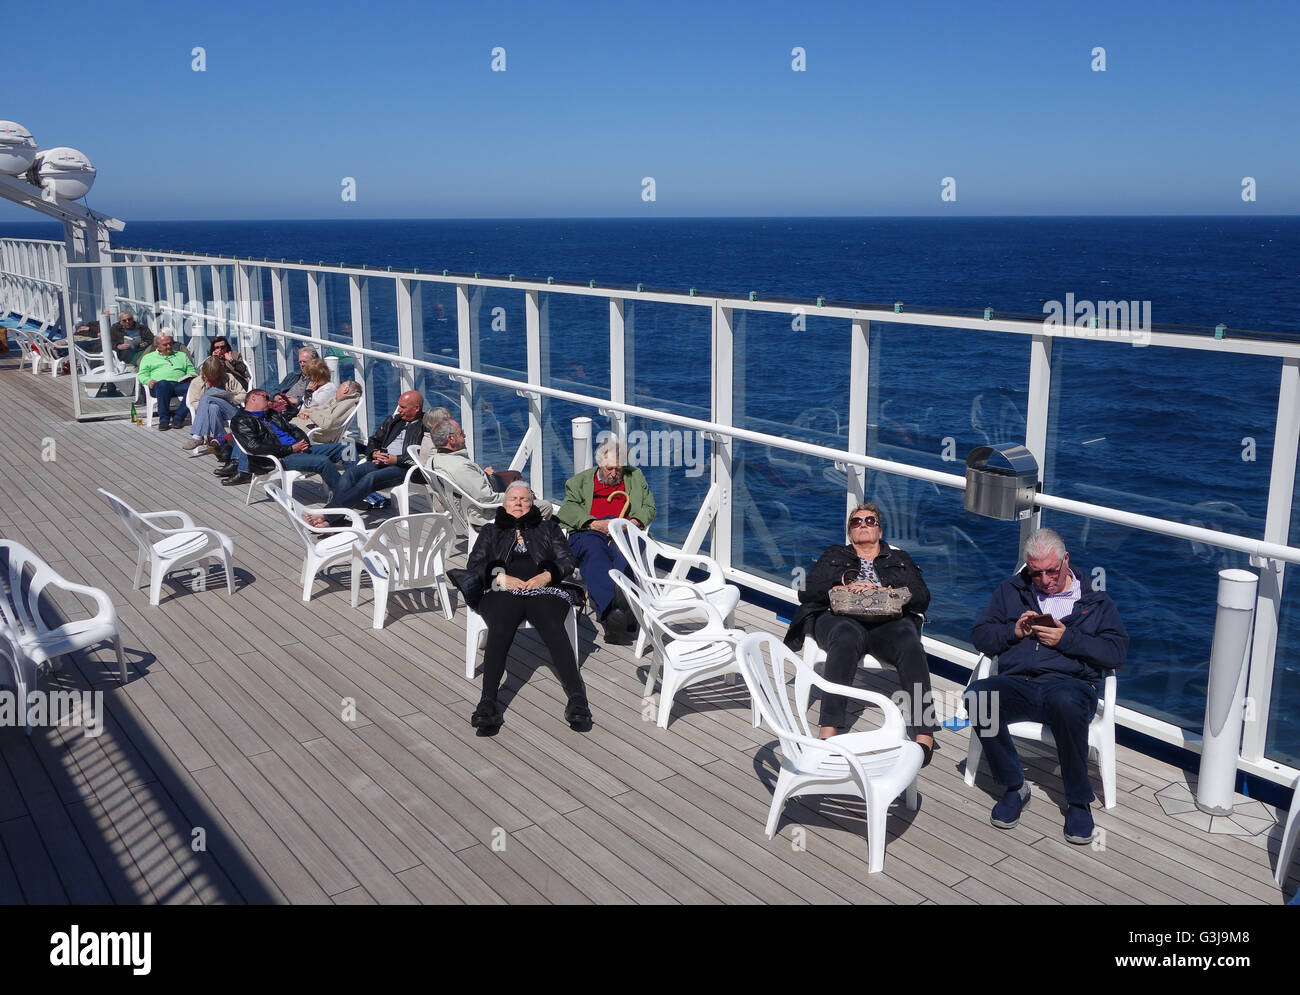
(610, 489)
(867, 563)
(517, 570)
(167, 373)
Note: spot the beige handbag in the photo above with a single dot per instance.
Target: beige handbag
(883, 602)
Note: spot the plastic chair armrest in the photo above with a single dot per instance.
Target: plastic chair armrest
(186, 521)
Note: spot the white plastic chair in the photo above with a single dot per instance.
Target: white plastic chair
(278, 474)
(1289, 835)
(476, 635)
(876, 766)
(327, 545)
(814, 656)
(459, 505)
(1101, 732)
(406, 554)
(47, 350)
(36, 641)
(415, 476)
(28, 357)
(175, 548)
(93, 373)
(683, 656)
(641, 552)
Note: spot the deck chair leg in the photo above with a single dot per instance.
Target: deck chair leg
(973, 754)
(121, 657)
(876, 816)
(155, 584)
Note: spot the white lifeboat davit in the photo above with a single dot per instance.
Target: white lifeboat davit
(66, 171)
(17, 148)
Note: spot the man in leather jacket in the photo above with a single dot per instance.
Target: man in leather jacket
(387, 460)
(262, 432)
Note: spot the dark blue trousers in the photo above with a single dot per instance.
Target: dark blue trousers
(164, 391)
(597, 556)
(1065, 705)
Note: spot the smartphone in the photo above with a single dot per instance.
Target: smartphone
(1043, 620)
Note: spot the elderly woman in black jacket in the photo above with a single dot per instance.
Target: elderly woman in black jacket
(517, 570)
(867, 562)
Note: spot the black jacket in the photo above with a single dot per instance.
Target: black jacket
(413, 434)
(546, 545)
(257, 437)
(839, 565)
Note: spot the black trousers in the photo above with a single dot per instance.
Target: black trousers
(504, 613)
(895, 642)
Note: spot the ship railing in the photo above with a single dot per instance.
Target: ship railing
(236, 299)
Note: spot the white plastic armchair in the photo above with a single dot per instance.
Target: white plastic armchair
(169, 549)
(476, 635)
(1101, 732)
(416, 476)
(641, 552)
(326, 545)
(683, 656)
(37, 643)
(1289, 835)
(406, 554)
(47, 350)
(278, 475)
(876, 766)
(814, 656)
(460, 505)
(93, 373)
(29, 356)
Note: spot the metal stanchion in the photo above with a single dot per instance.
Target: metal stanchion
(1226, 695)
(581, 444)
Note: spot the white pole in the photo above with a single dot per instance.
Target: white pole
(1226, 696)
(581, 444)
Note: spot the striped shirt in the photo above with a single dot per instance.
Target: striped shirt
(1061, 605)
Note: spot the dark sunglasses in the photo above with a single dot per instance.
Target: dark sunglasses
(1055, 572)
(870, 520)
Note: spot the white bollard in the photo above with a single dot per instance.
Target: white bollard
(1225, 696)
(333, 363)
(581, 444)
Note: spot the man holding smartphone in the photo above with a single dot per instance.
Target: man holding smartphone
(1055, 638)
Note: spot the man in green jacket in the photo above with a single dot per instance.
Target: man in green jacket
(167, 373)
(610, 489)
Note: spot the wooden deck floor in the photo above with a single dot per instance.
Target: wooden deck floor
(226, 771)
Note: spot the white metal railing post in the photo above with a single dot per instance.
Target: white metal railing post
(467, 359)
(408, 313)
(280, 317)
(316, 304)
(859, 398)
(1277, 529)
(359, 319)
(1036, 414)
(722, 402)
(533, 341)
(243, 312)
(216, 308)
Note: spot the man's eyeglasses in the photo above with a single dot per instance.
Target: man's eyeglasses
(1054, 572)
(870, 521)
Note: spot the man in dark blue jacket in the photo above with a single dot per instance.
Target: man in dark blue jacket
(1047, 673)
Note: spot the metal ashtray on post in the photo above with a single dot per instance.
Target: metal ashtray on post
(1001, 482)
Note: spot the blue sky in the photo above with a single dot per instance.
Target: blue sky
(701, 96)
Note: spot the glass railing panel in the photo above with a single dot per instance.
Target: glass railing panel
(1200, 445)
(770, 352)
(498, 323)
(675, 462)
(336, 308)
(298, 294)
(500, 423)
(438, 336)
(575, 357)
(668, 356)
(1283, 740)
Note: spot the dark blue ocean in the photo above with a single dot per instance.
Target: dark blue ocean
(1180, 434)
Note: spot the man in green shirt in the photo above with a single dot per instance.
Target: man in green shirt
(166, 374)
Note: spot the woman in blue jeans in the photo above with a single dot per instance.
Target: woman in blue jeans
(867, 562)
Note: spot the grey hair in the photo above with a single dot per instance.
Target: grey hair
(441, 432)
(1041, 542)
(518, 483)
(433, 416)
(350, 388)
(309, 349)
(611, 445)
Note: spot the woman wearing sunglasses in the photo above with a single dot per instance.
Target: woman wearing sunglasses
(866, 563)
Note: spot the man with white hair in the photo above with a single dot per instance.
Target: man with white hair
(1055, 639)
(479, 483)
(610, 489)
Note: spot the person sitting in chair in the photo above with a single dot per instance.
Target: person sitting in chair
(484, 485)
(1055, 640)
(610, 489)
(261, 432)
(166, 373)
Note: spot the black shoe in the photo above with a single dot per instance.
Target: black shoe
(577, 714)
(487, 718)
(164, 426)
(227, 469)
(237, 480)
(616, 620)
